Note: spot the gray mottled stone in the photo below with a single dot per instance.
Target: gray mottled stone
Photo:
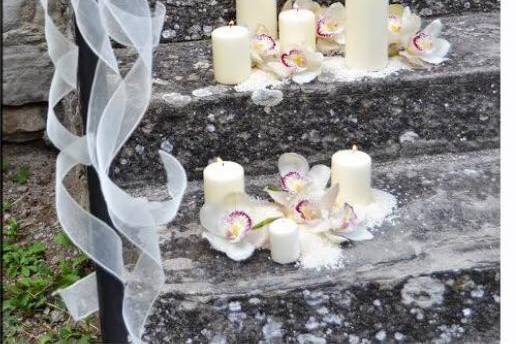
(430, 275)
(195, 19)
(452, 107)
(24, 123)
(27, 74)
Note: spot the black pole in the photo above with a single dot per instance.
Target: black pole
(110, 289)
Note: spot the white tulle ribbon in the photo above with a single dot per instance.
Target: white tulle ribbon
(116, 106)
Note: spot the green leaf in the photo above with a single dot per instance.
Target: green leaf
(5, 166)
(63, 240)
(273, 188)
(22, 176)
(265, 222)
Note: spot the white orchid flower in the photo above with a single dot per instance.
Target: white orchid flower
(331, 23)
(426, 46)
(297, 178)
(301, 64)
(263, 46)
(238, 226)
(319, 215)
(403, 24)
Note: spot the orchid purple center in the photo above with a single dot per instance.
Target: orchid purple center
(236, 225)
(422, 42)
(294, 59)
(328, 28)
(264, 43)
(293, 182)
(307, 211)
(349, 217)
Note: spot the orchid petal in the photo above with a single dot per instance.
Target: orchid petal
(258, 238)
(210, 216)
(319, 175)
(434, 28)
(293, 162)
(441, 49)
(329, 198)
(396, 10)
(357, 234)
(237, 251)
(305, 77)
(335, 238)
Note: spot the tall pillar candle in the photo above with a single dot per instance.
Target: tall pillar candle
(351, 169)
(297, 28)
(222, 178)
(231, 54)
(367, 45)
(253, 13)
(285, 242)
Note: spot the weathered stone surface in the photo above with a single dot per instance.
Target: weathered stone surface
(27, 74)
(25, 123)
(27, 69)
(195, 19)
(452, 107)
(430, 275)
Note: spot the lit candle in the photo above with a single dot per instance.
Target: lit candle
(253, 13)
(367, 46)
(231, 54)
(284, 239)
(222, 178)
(297, 27)
(351, 169)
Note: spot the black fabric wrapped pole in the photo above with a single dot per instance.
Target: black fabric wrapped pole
(110, 289)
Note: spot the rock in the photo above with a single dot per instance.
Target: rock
(25, 123)
(27, 74)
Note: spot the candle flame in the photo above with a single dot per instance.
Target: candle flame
(219, 159)
(355, 148)
(231, 23)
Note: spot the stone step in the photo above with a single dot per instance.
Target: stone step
(431, 274)
(452, 107)
(195, 19)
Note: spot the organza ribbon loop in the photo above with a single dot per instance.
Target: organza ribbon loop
(116, 107)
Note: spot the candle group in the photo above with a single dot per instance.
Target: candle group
(351, 169)
(231, 54)
(297, 28)
(222, 178)
(253, 13)
(367, 45)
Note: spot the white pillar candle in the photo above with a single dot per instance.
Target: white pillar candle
(222, 178)
(367, 45)
(351, 169)
(253, 13)
(285, 243)
(231, 54)
(297, 27)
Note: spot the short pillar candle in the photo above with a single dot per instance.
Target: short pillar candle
(231, 54)
(253, 13)
(297, 28)
(351, 169)
(367, 44)
(285, 242)
(222, 178)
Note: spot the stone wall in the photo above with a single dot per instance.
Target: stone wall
(27, 69)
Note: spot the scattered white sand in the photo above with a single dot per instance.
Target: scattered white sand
(334, 70)
(318, 253)
(258, 80)
(375, 213)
